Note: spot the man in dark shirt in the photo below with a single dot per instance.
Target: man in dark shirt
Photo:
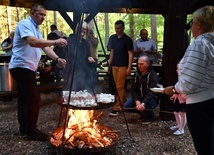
(121, 57)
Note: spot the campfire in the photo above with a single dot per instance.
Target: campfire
(83, 132)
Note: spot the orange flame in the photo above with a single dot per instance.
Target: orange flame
(82, 121)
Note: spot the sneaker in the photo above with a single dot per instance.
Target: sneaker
(178, 132)
(114, 113)
(173, 128)
(36, 135)
(146, 121)
(141, 119)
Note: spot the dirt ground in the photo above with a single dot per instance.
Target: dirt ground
(153, 139)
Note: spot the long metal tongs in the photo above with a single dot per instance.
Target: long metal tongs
(76, 44)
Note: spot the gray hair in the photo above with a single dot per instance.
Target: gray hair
(205, 16)
(35, 7)
(85, 26)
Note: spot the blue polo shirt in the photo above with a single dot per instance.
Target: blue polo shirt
(121, 46)
(24, 55)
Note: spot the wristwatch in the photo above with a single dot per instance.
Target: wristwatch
(143, 104)
(173, 90)
(57, 59)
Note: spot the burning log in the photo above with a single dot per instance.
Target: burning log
(83, 132)
(84, 139)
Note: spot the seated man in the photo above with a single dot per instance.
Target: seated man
(143, 99)
(145, 46)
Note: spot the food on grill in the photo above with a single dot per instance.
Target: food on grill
(105, 98)
(79, 98)
(85, 99)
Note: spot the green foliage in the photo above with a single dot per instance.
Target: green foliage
(140, 21)
(1, 52)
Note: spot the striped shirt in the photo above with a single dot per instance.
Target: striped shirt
(196, 70)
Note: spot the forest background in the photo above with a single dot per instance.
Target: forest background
(10, 16)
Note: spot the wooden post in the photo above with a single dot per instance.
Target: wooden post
(175, 21)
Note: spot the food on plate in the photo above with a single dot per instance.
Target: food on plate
(157, 90)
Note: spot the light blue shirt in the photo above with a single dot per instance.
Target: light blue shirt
(24, 55)
(148, 45)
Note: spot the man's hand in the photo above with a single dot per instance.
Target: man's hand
(128, 72)
(142, 49)
(91, 60)
(140, 106)
(61, 42)
(62, 62)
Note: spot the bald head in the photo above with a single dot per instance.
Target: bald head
(143, 58)
(143, 63)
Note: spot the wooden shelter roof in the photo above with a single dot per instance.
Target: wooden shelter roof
(111, 6)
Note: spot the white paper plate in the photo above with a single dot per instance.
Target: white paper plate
(157, 90)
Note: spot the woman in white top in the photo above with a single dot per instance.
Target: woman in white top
(196, 81)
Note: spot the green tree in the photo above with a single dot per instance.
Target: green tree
(105, 21)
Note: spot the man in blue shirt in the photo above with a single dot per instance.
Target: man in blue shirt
(145, 45)
(27, 47)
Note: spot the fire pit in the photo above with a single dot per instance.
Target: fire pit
(82, 134)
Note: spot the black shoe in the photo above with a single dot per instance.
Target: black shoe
(142, 117)
(113, 113)
(36, 135)
(147, 121)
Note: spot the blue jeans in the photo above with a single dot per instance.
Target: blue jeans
(148, 113)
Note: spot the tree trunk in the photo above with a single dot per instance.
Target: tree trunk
(8, 20)
(17, 13)
(106, 28)
(154, 28)
(55, 17)
(131, 25)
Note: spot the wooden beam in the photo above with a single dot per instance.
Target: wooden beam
(91, 16)
(13, 2)
(67, 19)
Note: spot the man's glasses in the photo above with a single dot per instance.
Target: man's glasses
(191, 23)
